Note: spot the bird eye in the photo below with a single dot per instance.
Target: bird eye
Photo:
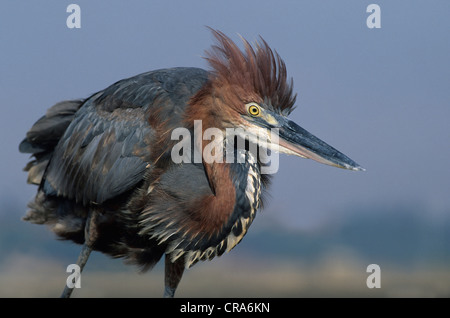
(253, 109)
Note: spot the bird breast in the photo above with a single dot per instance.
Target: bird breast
(247, 203)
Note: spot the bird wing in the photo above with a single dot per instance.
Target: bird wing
(44, 135)
(106, 148)
(101, 154)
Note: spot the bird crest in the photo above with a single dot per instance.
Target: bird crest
(256, 74)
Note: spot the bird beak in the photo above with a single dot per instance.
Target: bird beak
(295, 140)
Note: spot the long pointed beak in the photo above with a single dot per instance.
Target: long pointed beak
(295, 140)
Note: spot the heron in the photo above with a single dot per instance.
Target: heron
(106, 174)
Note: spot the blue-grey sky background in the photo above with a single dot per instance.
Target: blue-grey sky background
(381, 96)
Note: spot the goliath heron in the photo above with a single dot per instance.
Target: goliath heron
(105, 173)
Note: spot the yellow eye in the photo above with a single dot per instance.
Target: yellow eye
(253, 109)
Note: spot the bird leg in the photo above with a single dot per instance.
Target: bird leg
(90, 236)
(173, 273)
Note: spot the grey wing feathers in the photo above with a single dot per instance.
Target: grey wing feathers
(43, 136)
(94, 150)
(45, 133)
(101, 155)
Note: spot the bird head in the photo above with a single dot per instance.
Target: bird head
(249, 91)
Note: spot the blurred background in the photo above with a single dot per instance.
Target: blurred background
(381, 96)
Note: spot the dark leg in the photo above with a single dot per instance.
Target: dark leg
(82, 259)
(173, 273)
(90, 234)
